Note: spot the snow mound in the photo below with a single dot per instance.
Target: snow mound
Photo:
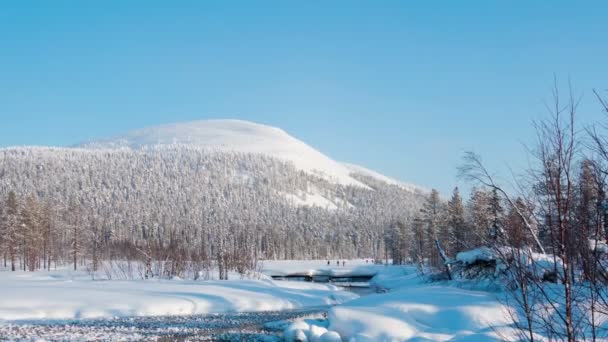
(424, 313)
(238, 136)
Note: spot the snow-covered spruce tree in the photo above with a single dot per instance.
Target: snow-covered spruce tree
(496, 213)
(456, 221)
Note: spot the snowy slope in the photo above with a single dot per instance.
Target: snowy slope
(235, 135)
(370, 173)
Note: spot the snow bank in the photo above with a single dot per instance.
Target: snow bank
(395, 277)
(434, 313)
(67, 295)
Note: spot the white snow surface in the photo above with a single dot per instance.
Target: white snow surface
(73, 295)
(412, 310)
(238, 136)
(421, 313)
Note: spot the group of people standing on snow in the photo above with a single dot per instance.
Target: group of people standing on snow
(337, 263)
(343, 262)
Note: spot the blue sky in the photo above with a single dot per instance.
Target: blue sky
(402, 87)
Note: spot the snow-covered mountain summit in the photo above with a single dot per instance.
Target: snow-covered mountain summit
(239, 136)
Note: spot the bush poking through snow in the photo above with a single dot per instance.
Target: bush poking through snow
(478, 263)
(492, 263)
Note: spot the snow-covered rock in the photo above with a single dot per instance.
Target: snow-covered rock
(476, 255)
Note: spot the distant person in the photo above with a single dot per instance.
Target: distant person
(366, 261)
(343, 263)
(338, 263)
(327, 262)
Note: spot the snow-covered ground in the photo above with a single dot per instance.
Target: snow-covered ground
(421, 313)
(69, 295)
(411, 309)
(64, 294)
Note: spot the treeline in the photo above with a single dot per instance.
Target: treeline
(182, 211)
(454, 225)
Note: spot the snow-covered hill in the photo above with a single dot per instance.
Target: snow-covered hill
(235, 135)
(213, 176)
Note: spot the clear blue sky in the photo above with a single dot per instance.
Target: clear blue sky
(402, 87)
